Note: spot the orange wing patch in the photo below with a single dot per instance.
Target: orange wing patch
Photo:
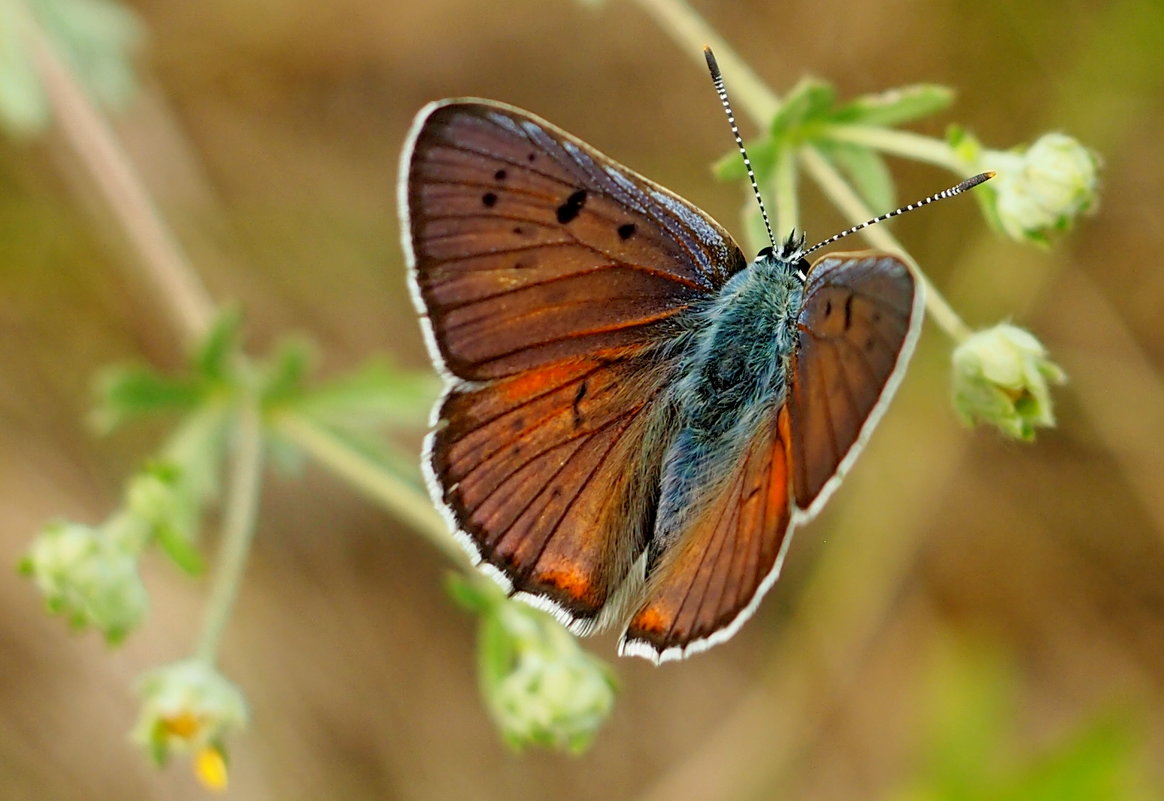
(551, 475)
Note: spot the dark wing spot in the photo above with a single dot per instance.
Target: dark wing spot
(499, 175)
(582, 388)
(518, 424)
(517, 229)
(626, 231)
(489, 199)
(531, 157)
(869, 343)
(828, 307)
(876, 316)
(848, 312)
(572, 205)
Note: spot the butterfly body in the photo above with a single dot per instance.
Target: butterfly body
(733, 376)
(635, 418)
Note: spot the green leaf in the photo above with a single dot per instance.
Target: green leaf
(810, 100)
(476, 593)
(896, 106)
(213, 356)
(285, 373)
(761, 152)
(181, 550)
(868, 172)
(375, 395)
(966, 146)
(128, 393)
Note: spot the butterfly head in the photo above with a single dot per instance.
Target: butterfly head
(790, 255)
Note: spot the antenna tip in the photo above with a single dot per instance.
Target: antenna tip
(970, 183)
(711, 63)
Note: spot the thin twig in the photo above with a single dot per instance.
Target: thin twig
(367, 475)
(160, 262)
(238, 528)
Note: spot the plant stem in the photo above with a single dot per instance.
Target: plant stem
(787, 205)
(366, 474)
(238, 527)
(905, 144)
(160, 262)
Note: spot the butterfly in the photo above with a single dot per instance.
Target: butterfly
(635, 418)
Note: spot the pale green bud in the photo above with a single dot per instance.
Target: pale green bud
(1002, 376)
(1042, 190)
(541, 687)
(88, 576)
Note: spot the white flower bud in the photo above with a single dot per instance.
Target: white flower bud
(88, 576)
(540, 685)
(1043, 189)
(1002, 376)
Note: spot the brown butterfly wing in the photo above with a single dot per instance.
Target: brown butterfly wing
(713, 576)
(551, 279)
(530, 247)
(551, 477)
(861, 316)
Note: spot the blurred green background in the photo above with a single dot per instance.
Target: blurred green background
(969, 619)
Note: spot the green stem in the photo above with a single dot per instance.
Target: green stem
(160, 262)
(787, 203)
(368, 475)
(906, 144)
(238, 528)
(853, 207)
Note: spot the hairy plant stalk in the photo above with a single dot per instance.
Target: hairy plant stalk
(238, 528)
(894, 142)
(363, 473)
(160, 262)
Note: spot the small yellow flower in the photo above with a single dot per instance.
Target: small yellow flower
(210, 768)
(189, 707)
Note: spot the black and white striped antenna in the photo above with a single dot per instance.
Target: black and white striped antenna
(969, 183)
(721, 90)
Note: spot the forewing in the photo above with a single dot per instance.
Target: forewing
(860, 319)
(713, 575)
(551, 477)
(530, 247)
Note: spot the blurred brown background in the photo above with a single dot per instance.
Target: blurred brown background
(952, 568)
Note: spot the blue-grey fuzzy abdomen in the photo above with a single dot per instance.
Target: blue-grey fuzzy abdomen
(734, 373)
